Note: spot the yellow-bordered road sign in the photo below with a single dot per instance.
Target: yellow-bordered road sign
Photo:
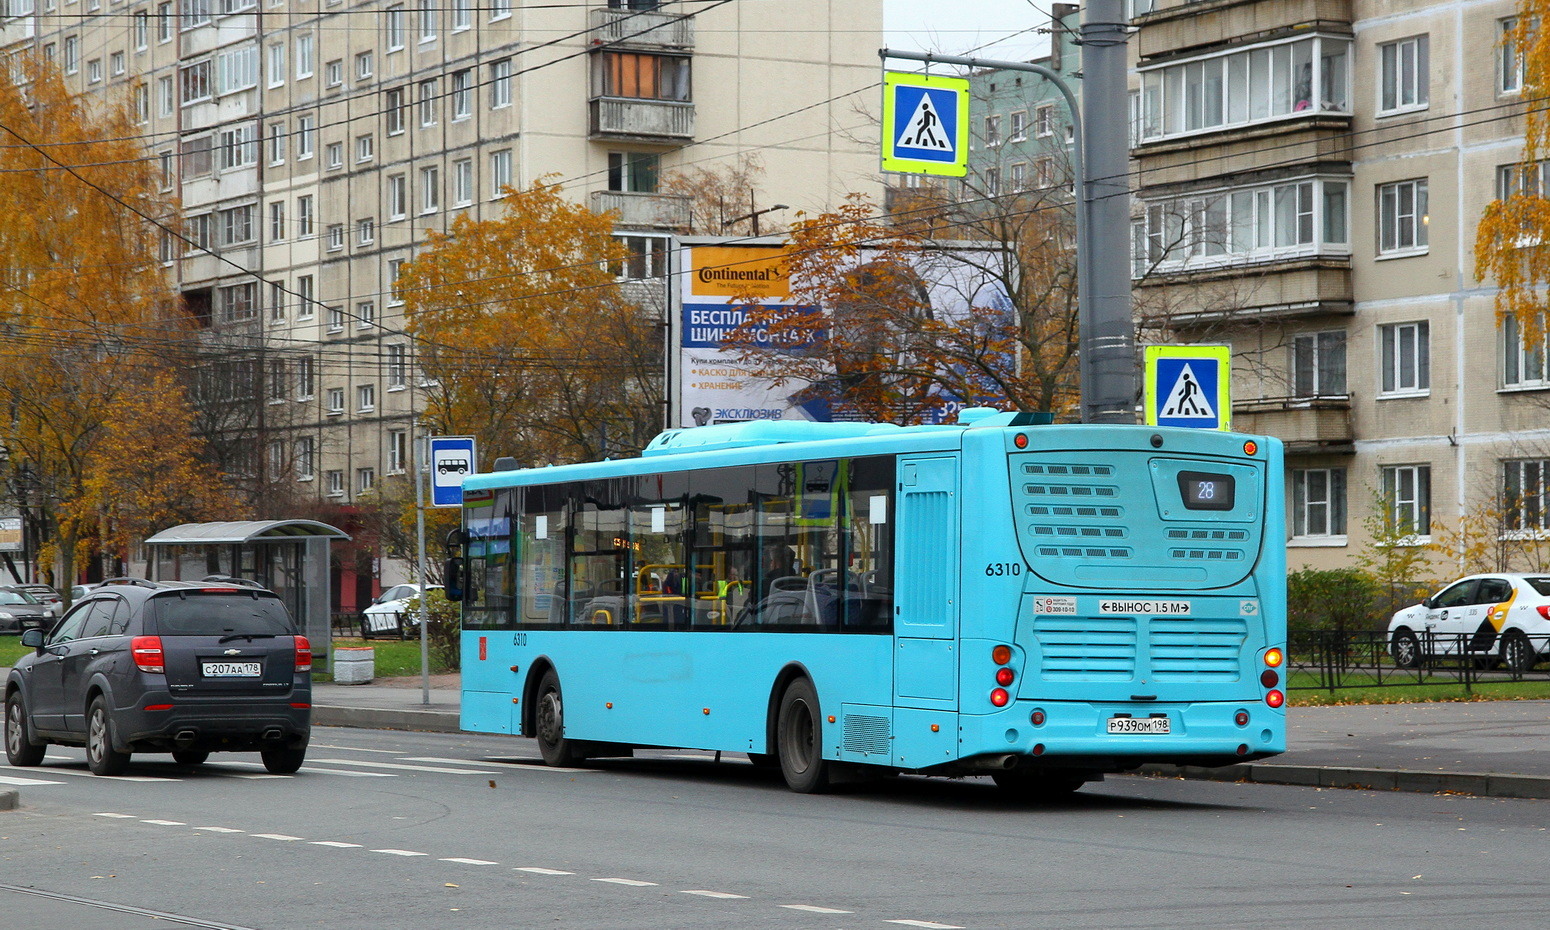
(1189, 386)
(925, 124)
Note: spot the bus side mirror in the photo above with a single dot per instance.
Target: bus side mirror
(452, 579)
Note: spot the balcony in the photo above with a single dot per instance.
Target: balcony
(1284, 289)
(640, 28)
(644, 211)
(1179, 26)
(1308, 425)
(633, 119)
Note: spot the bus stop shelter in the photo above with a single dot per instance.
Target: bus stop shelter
(289, 557)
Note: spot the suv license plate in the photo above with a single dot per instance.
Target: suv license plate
(1148, 725)
(253, 670)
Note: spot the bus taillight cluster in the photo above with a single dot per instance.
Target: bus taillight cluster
(1270, 677)
(1005, 675)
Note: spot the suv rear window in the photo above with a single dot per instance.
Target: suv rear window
(203, 613)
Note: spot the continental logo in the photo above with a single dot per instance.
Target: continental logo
(729, 271)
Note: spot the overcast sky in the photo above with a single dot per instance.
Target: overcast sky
(1007, 29)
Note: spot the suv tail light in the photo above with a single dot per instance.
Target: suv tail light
(148, 654)
(303, 654)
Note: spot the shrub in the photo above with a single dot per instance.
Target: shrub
(444, 627)
(1340, 599)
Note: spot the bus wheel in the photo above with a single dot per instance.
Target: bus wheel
(1034, 785)
(550, 720)
(798, 741)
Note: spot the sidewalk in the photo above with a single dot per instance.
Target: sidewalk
(1489, 748)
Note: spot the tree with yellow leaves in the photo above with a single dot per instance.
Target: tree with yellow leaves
(524, 337)
(1510, 244)
(90, 318)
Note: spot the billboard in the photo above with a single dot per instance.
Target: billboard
(713, 386)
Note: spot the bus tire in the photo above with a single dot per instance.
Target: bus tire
(549, 724)
(1034, 785)
(799, 741)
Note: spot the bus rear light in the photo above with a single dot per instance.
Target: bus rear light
(1038, 749)
(303, 654)
(1005, 676)
(1001, 655)
(148, 654)
(1269, 678)
(1020, 440)
(999, 697)
(1250, 447)
(1275, 699)
(1274, 657)
(1037, 718)
(1243, 749)
(1241, 718)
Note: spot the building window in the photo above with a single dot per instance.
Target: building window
(366, 231)
(1043, 121)
(236, 69)
(306, 302)
(499, 9)
(195, 13)
(1274, 81)
(500, 173)
(333, 154)
(169, 174)
(304, 459)
(462, 94)
(277, 457)
(1523, 365)
(142, 103)
(116, 64)
(277, 310)
(427, 103)
(363, 148)
(236, 225)
(398, 196)
(1301, 217)
(277, 229)
(72, 55)
(333, 73)
(363, 66)
(1017, 177)
(393, 112)
(643, 76)
(1407, 498)
(462, 15)
(304, 217)
(94, 71)
(304, 385)
(430, 189)
(428, 10)
(1405, 75)
(277, 143)
(992, 131)
(462, 182)
(1404, 358)
(365, 314)
(304, 56)
(197, 155)
(365, 397)
(335, 237)
(335, 404)
(395, 267)
(398, 451)
(647, 258)
(365, 479)
(238, 147)
(1509, 61)
(635, 172)
(335, 319)
(500, 84)
(1318, 364)
(276, 380)
(1318, 502)
(1019, 126)
(1520, 179)
(276, 64)
(166, 96)
(306, 136)
(1523, 494)
(239, 302)
(393, 24)
(336, 484)
(1402, 217)
(164, 22)
(397, 367)
(195, 82)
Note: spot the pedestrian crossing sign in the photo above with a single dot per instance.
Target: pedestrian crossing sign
(925, 124)
(1189, 386)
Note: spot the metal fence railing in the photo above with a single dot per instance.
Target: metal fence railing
(1327, 659)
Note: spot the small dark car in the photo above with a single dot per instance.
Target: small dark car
(145, 666)
(20, 611)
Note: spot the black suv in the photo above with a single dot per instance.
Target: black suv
(148, 666)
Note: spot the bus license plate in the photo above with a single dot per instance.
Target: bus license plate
(1147, 725)
(244, 670)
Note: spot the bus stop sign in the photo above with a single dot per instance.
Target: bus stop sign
(451, 460)
(1188, 386)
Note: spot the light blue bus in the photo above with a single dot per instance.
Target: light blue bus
(1038, 603)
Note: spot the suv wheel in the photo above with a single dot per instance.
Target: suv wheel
(283, 761)
(19, 748)
(101, 757)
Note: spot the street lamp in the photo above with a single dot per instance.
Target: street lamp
(753, 217)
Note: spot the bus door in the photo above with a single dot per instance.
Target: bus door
(926, 583)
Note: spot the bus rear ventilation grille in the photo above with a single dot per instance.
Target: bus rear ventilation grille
(1078, 552)
(1226, 535)
(1031, 468)
(1070, 490)
(1085, 532)
(1071, 510)
(1207, 555)
(866, 734)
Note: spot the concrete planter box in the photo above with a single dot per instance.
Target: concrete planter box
(355, 665)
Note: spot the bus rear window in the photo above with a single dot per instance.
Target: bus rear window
(197, 613)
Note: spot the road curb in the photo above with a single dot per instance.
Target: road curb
(1482, 784)
(10, 799)
(427, 721)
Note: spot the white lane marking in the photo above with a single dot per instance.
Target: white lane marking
(470, 861)
(406, 768)
(309, 770)
(399, 852)
(445, 761)
(277, 836)
(257, 777)
(336, 844)
(537, 871)
(928, 924)
(118, 816)
(815, 909)
(50, 770)
(24, 782)
(633, 883)
(721, 895)
(166, 823)
(386, 752)
(220, 830)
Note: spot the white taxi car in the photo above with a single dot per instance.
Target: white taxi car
(1489, 616)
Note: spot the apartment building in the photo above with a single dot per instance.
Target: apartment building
(313, 143)
(1310, 176)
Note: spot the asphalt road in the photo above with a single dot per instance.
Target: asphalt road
(398, 830)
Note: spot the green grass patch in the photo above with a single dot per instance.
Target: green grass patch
(11, 649)
(394, 658)
(1535, 690)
